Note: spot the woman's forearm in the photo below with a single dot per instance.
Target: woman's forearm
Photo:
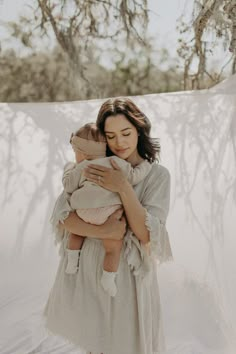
(113, 229)
(135, 213)
(77, 226)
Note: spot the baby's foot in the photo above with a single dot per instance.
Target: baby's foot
(108, 282)
(73, 261)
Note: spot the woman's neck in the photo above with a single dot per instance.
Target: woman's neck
(134, 159)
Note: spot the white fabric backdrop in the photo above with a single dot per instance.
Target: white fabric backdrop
(198, 290)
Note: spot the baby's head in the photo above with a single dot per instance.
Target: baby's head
(88, 143)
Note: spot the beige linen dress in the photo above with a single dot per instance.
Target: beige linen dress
(78, 308)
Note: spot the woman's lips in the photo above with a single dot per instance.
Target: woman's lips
(120, 151)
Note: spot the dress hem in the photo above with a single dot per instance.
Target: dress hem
(70, 341)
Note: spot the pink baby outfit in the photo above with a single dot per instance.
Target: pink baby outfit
(97, 216)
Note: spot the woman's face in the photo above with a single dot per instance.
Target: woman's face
(122, 137)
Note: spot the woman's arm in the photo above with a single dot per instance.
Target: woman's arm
(114, 228)
(135, 212)
(115, 180)
(152, 213)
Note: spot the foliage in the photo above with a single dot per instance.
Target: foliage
(86, 32)
(42, 77)
(210, 17)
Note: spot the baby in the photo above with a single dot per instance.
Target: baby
(93, 203)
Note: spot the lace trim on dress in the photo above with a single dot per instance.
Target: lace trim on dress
(160, 249)
(136, 255)
(57, 229)
(139, 256)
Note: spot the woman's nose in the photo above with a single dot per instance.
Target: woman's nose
(119, 141)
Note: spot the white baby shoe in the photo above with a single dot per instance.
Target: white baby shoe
(73, 261)
(108, 282)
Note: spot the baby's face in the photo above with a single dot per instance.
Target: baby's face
(79, 156)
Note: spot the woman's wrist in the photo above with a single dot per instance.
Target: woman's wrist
(125, 187)
(74, 224)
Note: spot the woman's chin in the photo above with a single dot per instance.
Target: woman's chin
(123, 154)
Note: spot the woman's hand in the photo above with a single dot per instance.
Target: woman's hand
(112, 245)
(112, 179)
(115, 226)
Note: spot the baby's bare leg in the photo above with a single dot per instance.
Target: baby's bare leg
(112, 256)
(110, 265)
(75, 242)
(111, 261)
(74, 245)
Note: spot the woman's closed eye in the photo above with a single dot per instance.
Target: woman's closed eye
(112, 137)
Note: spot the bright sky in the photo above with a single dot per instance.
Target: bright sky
(162, 25)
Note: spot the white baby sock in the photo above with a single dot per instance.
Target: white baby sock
(73, 261)
(108, 282)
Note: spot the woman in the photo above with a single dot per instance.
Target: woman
(78, 308)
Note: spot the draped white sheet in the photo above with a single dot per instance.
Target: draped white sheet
(198, 290)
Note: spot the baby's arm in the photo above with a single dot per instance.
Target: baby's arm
(71, 176)
(138, 173)
(134, 174)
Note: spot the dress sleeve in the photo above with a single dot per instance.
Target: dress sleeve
(156, 202)
(60, 212)
(71, 176)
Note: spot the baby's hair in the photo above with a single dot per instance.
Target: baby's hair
(89, 131)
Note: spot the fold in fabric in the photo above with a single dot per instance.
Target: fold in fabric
(60, 212)
(138, 256)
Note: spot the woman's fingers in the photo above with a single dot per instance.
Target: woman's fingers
(99, 168)
(114, 164)
(115, 226)
(109, 178)
(118, 213)
(93, 171)
(124, 221)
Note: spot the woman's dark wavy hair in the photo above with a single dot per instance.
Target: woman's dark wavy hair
(148, 148)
